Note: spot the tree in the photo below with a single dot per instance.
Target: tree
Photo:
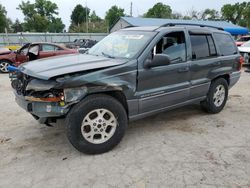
(94, 17)
(113, 14)
(41, 16)
(3, 19)
(78, 21)
(56, 25)
(176, 15)
(159, 10)
(17, 26)
(79, 15)
(46, 8)
(246, 14)
(236, 13)
(210, 14)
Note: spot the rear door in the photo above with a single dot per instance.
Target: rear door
(204, 61)
(164, 86)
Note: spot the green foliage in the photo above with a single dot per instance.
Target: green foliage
(56, 25)
(113, 14)
(210, 14)
(93, 27)
(40, 16)
(238, 13)
(79, 15)
(46, 8)
(159, 10)
(94, 17)
(78, 21)
(17, 26)
(176, 15)
(3, 19)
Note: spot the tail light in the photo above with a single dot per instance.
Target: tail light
(241, 61)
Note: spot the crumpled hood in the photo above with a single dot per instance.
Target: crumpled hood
(66, 64)
(244, 49)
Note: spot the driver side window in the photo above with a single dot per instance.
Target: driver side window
(174, 45)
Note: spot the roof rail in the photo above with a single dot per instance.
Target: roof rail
(191, 24)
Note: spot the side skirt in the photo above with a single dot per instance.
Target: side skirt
(150, 113)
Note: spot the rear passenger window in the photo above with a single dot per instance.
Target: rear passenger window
(202, 46)
(225, 44)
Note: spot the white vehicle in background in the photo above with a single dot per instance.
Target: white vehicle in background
(245, 52)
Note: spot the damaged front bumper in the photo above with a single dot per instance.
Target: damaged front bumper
(42, 111)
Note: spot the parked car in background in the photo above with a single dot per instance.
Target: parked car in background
(242, 40)
(30, 52)
(82, 44)
(245, 51)
(130, 74)
(86, 46)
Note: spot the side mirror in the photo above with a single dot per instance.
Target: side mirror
(158, 60)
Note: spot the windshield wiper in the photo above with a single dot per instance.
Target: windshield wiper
(107, 55)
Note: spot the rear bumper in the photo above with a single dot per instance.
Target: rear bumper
(234, 78)
(42, 110)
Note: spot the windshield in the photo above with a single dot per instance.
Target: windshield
(122, 44)
(247, 44)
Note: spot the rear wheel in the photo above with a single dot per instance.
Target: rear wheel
(97, 124)
(217, 96)
(4, 65)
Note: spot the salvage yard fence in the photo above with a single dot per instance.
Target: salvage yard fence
(62, 38)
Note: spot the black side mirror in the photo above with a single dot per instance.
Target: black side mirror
(158, 60)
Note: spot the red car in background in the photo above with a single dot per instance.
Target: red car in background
(30, 52)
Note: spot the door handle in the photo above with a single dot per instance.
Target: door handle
(185, 69)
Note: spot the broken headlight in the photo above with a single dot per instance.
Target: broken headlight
(40, 85)
(74, 94)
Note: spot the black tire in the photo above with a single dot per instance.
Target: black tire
(4, 62)
(209, 104)
(77, 114)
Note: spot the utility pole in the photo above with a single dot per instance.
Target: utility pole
(131, 9)
(87, 19)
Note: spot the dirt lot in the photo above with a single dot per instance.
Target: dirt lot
(181, 148)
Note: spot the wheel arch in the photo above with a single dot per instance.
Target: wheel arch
(8, 60)
(117, 94)
(225, 76)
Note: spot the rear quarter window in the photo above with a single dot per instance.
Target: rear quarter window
(225, 43)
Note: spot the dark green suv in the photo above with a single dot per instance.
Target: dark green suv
(130, 74)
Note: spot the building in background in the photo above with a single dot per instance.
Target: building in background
(124, 22)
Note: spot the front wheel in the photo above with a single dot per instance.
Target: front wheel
(97, 124)
(4, 66)
(216, 97)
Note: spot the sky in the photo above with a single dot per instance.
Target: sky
(101, 6)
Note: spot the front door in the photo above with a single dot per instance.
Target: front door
(167, 85)
(21, 55)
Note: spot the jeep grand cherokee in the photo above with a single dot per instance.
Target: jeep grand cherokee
(133, 73)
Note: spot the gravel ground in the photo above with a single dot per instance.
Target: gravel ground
(181, 148)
